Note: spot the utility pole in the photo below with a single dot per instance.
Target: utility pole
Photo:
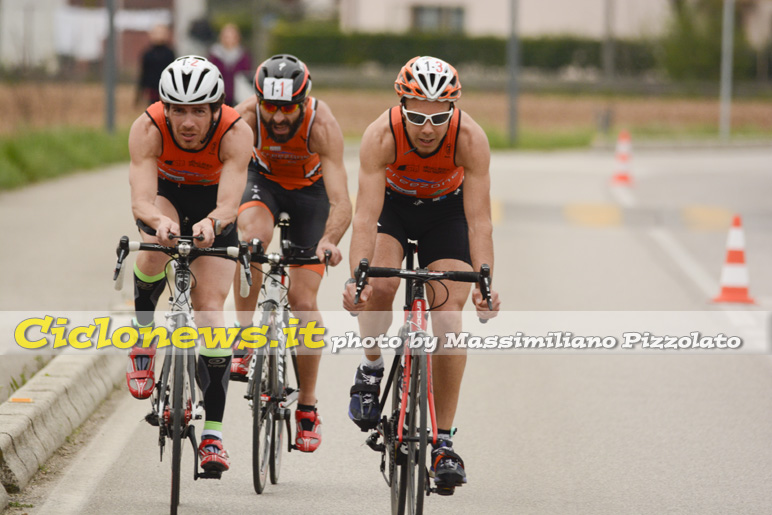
(513, 63)
(259, 34)
(110, 71)
(608, 41)
(727, 50)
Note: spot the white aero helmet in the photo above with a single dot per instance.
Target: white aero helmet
(191, 80)
(428, 78)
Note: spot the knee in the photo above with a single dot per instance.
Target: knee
(384, 291)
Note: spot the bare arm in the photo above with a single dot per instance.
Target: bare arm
(144, 148)
(473, 153)
(375, 153)
(248, 113)
(235, 151)
(327, 140)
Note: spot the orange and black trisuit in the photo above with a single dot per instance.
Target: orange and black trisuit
(182, 166)
(287, 177)
(189, 178)
(424, 199)
(429, 176)
(290, 164)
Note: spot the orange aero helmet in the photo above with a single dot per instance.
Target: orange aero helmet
(428, 78)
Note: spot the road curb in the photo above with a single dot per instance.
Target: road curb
(55, 402)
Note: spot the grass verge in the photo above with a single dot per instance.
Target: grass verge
(32, 156)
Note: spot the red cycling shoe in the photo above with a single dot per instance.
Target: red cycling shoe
(308, 435)
(213, 459)
(240, 365)
(139, 374)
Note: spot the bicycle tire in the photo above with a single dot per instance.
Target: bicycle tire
(262, 425)
(393, 449)
(277, 438)
(412, 473)
(178, 412)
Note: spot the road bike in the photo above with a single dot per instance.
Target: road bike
(175, 401)
(270, 391)
(404, 428)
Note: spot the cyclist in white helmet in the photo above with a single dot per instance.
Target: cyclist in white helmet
(424, 175)
(189, 154)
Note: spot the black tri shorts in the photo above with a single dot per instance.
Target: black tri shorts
(308, 207)
(193, 203)
(438, 225)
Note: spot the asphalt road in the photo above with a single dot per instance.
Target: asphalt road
(541, 433)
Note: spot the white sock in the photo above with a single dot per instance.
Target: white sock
(378, 363)
(211, 433)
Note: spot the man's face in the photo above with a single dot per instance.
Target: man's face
(280, 124)
(426, 138)
(189, 124)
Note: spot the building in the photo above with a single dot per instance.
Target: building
(629, 18)
(37, 34)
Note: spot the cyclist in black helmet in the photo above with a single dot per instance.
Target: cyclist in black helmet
(297, 167)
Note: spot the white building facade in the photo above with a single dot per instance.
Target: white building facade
(629, 18)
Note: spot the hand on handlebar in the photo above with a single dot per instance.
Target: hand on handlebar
(165, 229)
(349, 298)
(328, 253)
(203, 228)
(484, 312)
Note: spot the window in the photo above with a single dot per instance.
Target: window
(438, 19)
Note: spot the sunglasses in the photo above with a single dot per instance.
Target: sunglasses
(420, 118)
(272, 108)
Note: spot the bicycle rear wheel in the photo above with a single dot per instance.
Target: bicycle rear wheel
(262, 423)
(178, 413)
(412, 473)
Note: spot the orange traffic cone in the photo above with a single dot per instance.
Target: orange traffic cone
(623, 154)
(734, 275)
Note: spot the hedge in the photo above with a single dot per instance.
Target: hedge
(390, 50)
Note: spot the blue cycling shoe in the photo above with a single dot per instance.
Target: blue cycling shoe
(364, 408)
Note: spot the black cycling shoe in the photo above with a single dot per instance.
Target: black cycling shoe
(447, 468)
(364, 408)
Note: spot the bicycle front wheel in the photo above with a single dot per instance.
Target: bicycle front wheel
(262, 423)
(413, 471)
(277, 440)
(178, 421)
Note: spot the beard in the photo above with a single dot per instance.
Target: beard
(293, 129)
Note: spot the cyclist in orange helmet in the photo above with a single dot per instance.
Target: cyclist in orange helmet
(297, 167)
(188, 158)
(424, 175)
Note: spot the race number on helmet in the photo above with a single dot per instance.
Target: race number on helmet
(191, 80)
(283, 79)
(428, 78)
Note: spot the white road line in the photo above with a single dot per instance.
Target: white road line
(741, 320)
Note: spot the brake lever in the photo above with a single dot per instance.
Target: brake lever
(485, 289)
(360, 275)
(327, 256)
(122, 250)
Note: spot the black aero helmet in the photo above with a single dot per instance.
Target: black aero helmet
(282, 79)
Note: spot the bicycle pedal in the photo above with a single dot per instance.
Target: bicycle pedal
(239, 378)
(152, 419)
(444, 489)
(210, 474)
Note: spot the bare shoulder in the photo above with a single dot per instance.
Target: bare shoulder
(237, 141)
(326, 135)
(473, 150)
(248, 110)
(144, 138)
(378, 145)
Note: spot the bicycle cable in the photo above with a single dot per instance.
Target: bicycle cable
(428, 284)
